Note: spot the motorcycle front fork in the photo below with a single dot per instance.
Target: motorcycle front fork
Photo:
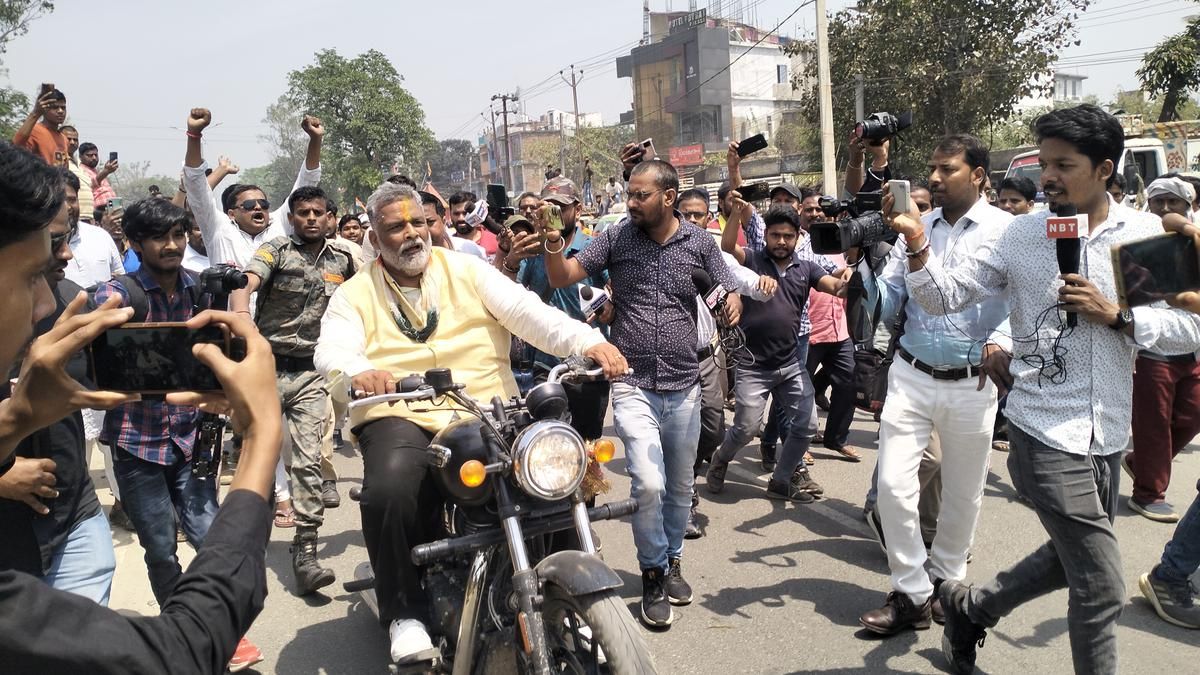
(530, 624)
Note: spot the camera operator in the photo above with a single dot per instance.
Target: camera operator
(294, 278)
(50, 519)
(50, 631)
(932, 389)
(416, 307)
(153, 441)
(873, 178)
(1069, 410)
(650, 257)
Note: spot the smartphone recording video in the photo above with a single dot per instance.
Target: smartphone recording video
(156, 358)
(751, 145)
(755, 191)
(1152, 269)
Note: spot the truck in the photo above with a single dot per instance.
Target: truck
(1151, 150)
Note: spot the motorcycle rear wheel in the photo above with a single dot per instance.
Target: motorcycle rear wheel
(594, 633)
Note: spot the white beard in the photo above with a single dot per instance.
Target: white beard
(412, 262)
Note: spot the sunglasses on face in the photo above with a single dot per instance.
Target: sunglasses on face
(249, 204)
(57, 241)
(694, 215)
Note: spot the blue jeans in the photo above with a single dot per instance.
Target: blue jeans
(660, 431)
(84, 563)
(1181, 557)
(787, 385)
(779, 420)
(154, 496)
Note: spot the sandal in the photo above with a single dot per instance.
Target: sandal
(809, 459)
(285, 518)
(1000, 446)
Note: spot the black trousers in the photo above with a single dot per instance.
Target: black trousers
(836, 359)
(401, 508)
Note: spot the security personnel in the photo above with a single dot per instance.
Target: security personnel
(294, 277)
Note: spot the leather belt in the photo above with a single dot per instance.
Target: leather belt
(1162, 358)
(294, 364)
(936, 373)
(705, 353)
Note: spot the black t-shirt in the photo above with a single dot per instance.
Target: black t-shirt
(45, 631)
(30, 539)
(771, 327)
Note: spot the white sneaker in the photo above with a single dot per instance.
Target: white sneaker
(409, 638)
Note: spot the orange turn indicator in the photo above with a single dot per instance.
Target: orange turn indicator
(472, 473)
(604, 450)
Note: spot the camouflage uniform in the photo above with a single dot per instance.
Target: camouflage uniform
(296, 287)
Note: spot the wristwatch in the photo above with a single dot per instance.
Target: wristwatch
(1124, 318)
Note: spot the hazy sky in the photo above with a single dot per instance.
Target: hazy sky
(132, 69)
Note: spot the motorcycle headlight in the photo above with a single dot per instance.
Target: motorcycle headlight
(549, 460)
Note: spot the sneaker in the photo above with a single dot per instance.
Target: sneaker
(766, 452)
(329, 494)
(337, 438)
(715, 478)
(409, 641)
(679, 591)
(961, 635)
(877, 528)
(1159, 512)
(1172, 602)
(244, 656)
(780, 490)
(656, 609)
(802, 479)
(690, 529)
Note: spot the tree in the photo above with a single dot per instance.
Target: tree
(15, 17)
(134, 179)
(288, 146)
(374, 124)
(449, 157)
(603, 146)
(1172, 70)
(959, 65)
(1136, 102)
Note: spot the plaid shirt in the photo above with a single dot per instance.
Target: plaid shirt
(150, 429)
(803, 252)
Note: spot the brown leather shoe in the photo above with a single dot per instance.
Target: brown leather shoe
(936, 611)
(897, 614)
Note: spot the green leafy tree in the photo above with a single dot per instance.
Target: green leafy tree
(451, 156)
(959, 65)
(374, 123)
(603, 146)
(134, 179)
(15, 17)
(1136, 102)
(1172, 70)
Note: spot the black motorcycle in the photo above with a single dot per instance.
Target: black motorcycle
(506, 594)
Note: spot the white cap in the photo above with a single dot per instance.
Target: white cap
(1175, 187)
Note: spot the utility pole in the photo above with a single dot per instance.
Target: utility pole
(504, 99)
(825, 96)
(860, 98)
(495, 142)
(573, 82)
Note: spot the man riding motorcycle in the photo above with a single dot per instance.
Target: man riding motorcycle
(419, 307)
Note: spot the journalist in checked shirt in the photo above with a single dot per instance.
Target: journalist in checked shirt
(1067, 430)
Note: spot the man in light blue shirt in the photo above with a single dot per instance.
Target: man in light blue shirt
(933, 386)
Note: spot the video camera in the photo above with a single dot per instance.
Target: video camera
(864, 227)
(880, 126)
(221, 280)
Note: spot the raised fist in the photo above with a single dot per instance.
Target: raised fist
(312, 126)
(198, 120)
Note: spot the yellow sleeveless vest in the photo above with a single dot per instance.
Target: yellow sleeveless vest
(468, 340)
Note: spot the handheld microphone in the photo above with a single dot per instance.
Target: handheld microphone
(1063, 228)
(712, 294)
(592, 300)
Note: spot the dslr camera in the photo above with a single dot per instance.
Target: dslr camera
(860, 225)
(880, 126)
(221, 280)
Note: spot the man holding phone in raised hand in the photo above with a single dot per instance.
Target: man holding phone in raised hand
(41, 133)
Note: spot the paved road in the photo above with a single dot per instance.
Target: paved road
(779, 588)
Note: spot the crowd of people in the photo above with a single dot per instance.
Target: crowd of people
(970, 299)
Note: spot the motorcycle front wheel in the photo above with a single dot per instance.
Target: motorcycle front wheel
(592, 634)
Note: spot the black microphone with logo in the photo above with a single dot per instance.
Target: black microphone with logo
(1063, 228)
(732, 339)
(713, 295)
